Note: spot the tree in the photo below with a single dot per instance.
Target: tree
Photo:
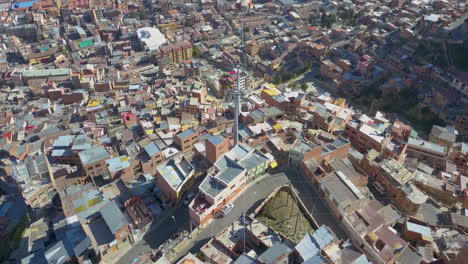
(304, 87)
(196, 52)
(327, 20)
(143, 15)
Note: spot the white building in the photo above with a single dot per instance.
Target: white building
(151, 38)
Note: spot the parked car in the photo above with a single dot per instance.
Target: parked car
(226, 209)
(156, 255)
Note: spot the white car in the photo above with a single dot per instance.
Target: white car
(227, 209)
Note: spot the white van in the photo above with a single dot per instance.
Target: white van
(227, 209)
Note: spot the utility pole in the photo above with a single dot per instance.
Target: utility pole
(237, 94)
(297, 218)
(191, 229)
(292, 206)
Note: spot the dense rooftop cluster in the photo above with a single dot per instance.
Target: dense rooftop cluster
(118, 117)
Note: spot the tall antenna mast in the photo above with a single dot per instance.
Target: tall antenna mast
(243, 54)
(237, 93)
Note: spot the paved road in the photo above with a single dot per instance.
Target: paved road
(252, 197)
(249, 199)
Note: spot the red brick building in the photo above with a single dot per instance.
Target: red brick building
(186, 139)
(215, 147)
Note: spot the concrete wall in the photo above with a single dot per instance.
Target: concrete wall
(289, 189)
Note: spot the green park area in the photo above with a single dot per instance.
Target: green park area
(283, 214)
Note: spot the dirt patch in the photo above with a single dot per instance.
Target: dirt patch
(284, 215)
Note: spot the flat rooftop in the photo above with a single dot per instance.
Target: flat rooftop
(412, 142)
(211, 186)
(118, 163)
(396, 172)
(230, 172)
(175, 172)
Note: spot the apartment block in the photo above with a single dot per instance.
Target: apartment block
(174, 177)
(225, 179)
(93, 162)
(396, 180)
(215, 147)
(175, 53)
(427, 152)
(186, 139)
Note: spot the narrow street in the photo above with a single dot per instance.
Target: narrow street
(251, 198)
(248, 201)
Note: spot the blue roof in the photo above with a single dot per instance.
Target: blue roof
(73, 236)
(58, 253)
(187, 133)
(118, 163)
(151, 149)
(113, 217)
(61, 153)
(64, 141)
(322, 236)
(311, 244)
(464, 147)
(23, 4)
(215, 140)
(81, 142)
(423, 230)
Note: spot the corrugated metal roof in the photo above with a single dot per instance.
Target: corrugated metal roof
(426, 145)
(276, 253)
(311, 244)
(93, 155)
(215, 139)
(113, 217)
(151, 149)
(46, 73)
(187, 133)
(423, 230)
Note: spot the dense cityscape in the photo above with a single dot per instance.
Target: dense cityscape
(234, 131)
